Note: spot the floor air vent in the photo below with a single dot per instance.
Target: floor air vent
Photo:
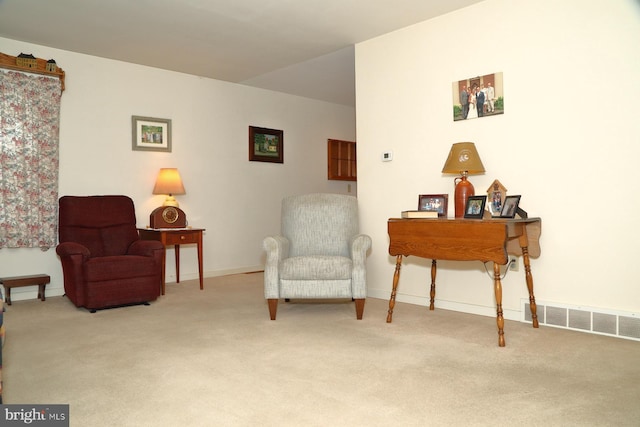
(618, 324)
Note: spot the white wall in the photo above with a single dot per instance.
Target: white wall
(571, 87)
(237, 201)
(568, 143)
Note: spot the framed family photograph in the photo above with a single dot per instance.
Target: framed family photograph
(478, 97)
(510, 207)
(151, 134)
(434, 203)
(496, 194)
(475, 207)
(265, 145)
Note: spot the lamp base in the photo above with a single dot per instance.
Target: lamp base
(171, 201)
(464, 190)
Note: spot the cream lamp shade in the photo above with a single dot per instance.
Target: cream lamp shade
(463, 160)
(169, 183)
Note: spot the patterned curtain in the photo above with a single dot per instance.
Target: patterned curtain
(30, 122)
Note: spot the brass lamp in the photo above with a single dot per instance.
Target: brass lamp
(170, 183)
(464, 160)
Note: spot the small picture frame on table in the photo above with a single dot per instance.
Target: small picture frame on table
(510, 207)
(475, 207)
(434, 203)
(496, 194)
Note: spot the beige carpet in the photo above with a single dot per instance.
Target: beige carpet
(213, 358)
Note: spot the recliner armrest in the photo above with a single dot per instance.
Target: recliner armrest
(71, 248)
(277, 248)
(145, 247)
(360, 244)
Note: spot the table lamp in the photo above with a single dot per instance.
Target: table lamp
(169, 183)
(464, 160)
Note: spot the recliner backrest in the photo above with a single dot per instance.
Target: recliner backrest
(106, 225)
(319, 224)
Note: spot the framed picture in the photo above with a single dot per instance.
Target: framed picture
(496, 194)
(475, 207)
(265, 145)
(151, 134)
(478, 97)
(434, 203)
(510, 207)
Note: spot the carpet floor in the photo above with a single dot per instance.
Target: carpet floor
(213, 358)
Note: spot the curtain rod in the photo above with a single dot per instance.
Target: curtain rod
(30, 64)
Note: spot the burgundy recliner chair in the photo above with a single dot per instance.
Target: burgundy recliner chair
(104, 262)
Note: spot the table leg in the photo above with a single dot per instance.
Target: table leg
(177, 250)
(498, 290)
(524, 245)
(396, 279)
(432, 292)
(164, 268)
(529, 278)
(200, 261)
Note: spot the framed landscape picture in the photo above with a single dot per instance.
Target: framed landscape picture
(151, 134)
(265, 145)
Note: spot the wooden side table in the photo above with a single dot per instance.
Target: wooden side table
(176, 237)
(467, 240)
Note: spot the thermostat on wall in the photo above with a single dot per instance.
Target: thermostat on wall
(387, 156)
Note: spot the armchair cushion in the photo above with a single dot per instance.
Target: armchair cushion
(319, 267)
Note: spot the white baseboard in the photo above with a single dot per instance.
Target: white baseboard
(446, 305)
(216, 273)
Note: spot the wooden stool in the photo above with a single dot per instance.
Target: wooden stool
(15, 282)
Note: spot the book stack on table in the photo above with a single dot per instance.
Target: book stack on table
(419, 214)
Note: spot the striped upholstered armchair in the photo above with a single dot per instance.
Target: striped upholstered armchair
(320, 252)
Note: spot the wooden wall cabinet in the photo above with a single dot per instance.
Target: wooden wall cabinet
(342, 160)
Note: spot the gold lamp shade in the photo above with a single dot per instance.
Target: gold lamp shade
(464, 160)
(169, 183)
(463, 157)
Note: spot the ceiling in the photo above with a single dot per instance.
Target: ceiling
(301, 47)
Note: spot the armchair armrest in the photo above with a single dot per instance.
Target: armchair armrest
(148, 248)
(277, 248)
(145, 247)
(67, 249)
(360, 244)
(73, 256)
